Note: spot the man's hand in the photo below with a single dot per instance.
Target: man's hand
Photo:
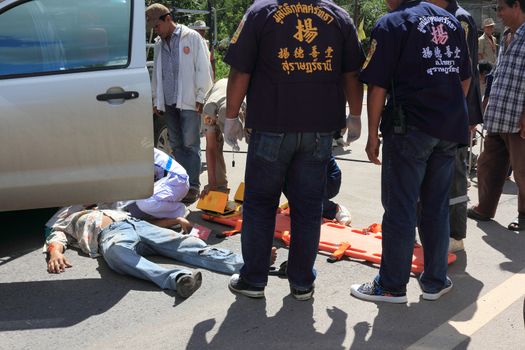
(57, 262)
(372, 149)
(522, 126)
(199, 106)
(353, 124)
(185, 224)
(207, 189)
(157, 112)
(233, 131)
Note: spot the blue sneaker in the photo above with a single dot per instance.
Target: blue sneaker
(437, 295)
(373, 292)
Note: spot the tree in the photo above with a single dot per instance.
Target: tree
(230, 12)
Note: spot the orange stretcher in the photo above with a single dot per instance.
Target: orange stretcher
(337, 239)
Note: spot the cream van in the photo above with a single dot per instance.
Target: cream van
(75, 103)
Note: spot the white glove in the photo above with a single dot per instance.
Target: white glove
(353, 123)
(233, 131)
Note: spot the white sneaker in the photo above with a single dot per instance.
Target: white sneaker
(340, 142)
(455, 245)
(343, 216)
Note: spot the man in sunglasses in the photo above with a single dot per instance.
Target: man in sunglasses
(180, 80)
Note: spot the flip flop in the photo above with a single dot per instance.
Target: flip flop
(517, 225)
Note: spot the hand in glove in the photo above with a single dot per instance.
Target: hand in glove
(233, 131)
(353, 123)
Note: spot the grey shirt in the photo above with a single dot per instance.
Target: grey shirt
(170, 67)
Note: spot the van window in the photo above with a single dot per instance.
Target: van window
(64, 36)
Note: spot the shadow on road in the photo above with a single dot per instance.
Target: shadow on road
(63, 303)
(247, 326)
(511, 244)
(399, 326)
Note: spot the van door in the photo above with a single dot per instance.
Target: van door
(75, 103)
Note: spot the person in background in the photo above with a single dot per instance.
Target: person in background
(488, 49)
(458, 191)
(180, 80)
(214, 114)
(504, 121)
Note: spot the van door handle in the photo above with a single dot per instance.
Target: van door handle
(126, 95)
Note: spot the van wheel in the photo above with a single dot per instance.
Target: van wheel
(160, 134)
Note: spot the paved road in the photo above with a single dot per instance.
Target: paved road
(91, 307)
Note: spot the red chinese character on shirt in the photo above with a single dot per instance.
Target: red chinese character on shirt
(439, 36)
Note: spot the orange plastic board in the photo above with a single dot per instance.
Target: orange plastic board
(214, 201)
(364, 244)
(234, 221)
(239, 194)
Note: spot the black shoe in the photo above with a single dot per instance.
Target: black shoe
(191, 197)
(188, 284)
(237, 285)
(473, 214)
(302, 294)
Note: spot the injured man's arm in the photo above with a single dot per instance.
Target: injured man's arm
(56, 262)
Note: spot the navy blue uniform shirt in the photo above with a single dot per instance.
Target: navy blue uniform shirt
(421, 50)
(296, 53)
(471, 33)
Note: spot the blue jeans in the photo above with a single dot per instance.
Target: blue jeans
(185, 142)
(415, 166)
(299, 160)
(124, 245)
(333, 184)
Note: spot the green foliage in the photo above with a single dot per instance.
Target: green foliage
(221, 68)
(230, 12)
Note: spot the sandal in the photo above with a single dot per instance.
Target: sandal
(517, 225)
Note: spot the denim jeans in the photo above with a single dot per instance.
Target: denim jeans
(415, 166)
(333, 184)
(124, 245)
(458, 196)
(184, 137)
(299, 160)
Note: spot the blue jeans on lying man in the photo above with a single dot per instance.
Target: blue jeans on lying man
(416, 166)
(124, 245)
(299, 160)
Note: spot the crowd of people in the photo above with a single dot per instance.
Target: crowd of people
(293, 70)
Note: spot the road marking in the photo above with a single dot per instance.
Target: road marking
(483, 310)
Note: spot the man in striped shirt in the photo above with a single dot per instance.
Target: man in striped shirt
(505, 122)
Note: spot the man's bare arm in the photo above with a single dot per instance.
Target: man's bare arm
(354, 92)
(465, 85)
(375, 105)
(236, 91)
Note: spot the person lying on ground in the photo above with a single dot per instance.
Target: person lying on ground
(124, 242)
